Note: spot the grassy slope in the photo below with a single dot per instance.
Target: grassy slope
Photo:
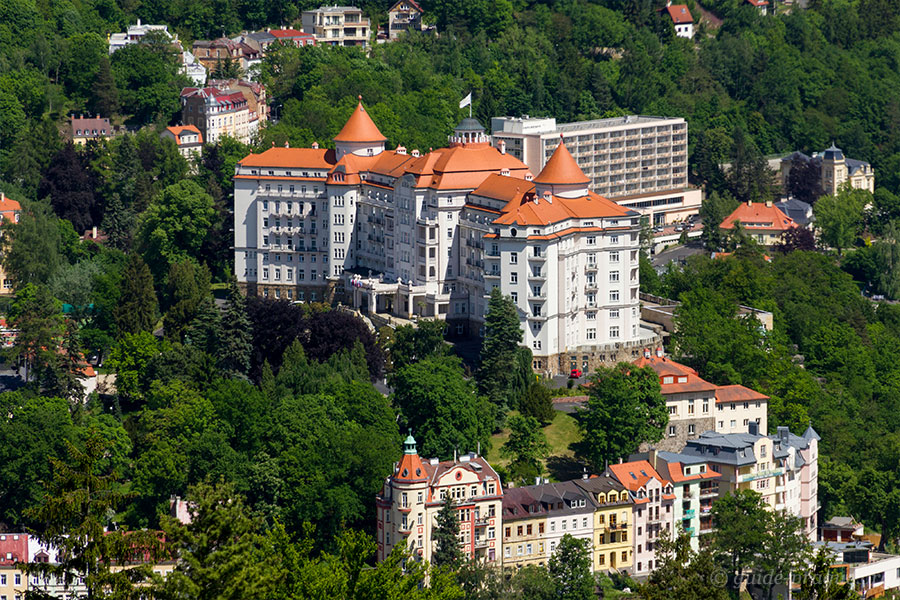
(560, 433)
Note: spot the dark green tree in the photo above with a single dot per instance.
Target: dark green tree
(840, 218)
(442, 407)
(104, 94)
(31, 246)
(445, 536)
(502, 337)
(624, 409)
(525, 448)
(75, 514)
(570, 568)
(741, 520)
(681, 573)
(137, 307)
(68, 185)
(39, 320)
(220, 552)
(713, 211)
(823, 582)
(412, 343)
(236, 344)
(804, 180)
(538, 403)
(188, 288)
(749, 179)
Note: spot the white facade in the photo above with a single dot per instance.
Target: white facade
(337, 25)
(432, 234)
(638, 161)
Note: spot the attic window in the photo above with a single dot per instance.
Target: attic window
(418, 472)
(668, 379)
(405, 472)
(458, 475)
(644, 473)
(633, 476)
(682, 380)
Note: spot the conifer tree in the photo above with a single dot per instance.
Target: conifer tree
(446, 537)
(105, 94)
(498, 352)
(137, 306)
(236, 344)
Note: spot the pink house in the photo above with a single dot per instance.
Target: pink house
(652, 512)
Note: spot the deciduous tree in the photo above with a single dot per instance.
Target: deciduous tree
(525, 448)
(570, 568)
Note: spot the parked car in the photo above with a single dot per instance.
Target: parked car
(575, 374)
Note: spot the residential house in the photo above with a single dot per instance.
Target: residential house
(216, 113)
(760, 5)
(135, 34)
(682, 20)
(834, 168)
(188, 139)
(412, 496)
(9, 213)
(337, 26)
(782, 468)
(653, 500)
(404, 15)
(696, 487)
(871, 573)
(192, 68)
(613, 528)
(799, 211)
(570, 511)
(214, 53)
(763, 222)
(524, 529)
(83, 129)
(737, 406)
(292, 36)
(254, 93)
(841, 529)
(13, 553)
(689, 400)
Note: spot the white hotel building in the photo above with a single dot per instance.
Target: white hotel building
(432, 234)
(638, 161)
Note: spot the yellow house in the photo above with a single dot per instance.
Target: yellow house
(613, 528)
(524, 529)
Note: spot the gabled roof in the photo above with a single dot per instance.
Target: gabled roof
(411, 3)
(665, 367)
(8, 205)
(178, 130)
(561, 168)
(758, 215)
(635, 474)
(360, 128)
(679, 14)
(533, 210)
(737, 393)
(758, 3)
(289, 33)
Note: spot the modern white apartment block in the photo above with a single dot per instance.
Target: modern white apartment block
(638, 161)
(413, 495)
(337, 25)
(410, 234)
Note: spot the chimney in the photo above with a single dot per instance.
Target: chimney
(750, 203)
(287, 144)
(753, 428)
(415, 153)
(548, 196)
(315, 145)
(401, 150)
(501, 146)
(769, 203)
(783, 433)
(94, 232)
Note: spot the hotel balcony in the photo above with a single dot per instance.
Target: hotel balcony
(689, 514)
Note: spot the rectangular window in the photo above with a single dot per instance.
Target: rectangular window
(614, 332)
(513, 258)
(514, 277)
(614, 295)
(613, 276)
(592, 334)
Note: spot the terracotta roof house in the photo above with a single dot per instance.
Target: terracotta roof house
(764, 222)
(682, 20)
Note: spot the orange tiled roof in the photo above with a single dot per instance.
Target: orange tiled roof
(676, 473)
(411, 469)
(665, 367)
(635, 475)
(737, 393)
(680, 14)
(297, 158)
(7, 204)
(561, 168)
(360, 128)
(525, 211)
(758, 215)
(179, 129)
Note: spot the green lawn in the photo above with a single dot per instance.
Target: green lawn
(560, 433)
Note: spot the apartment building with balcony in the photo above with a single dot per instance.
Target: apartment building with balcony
(404, 15)
(638, 161)
(782, 468)
(217, 113)
(612, 548)
(524, 529)
(653, 501)
(696, 486)
(690, 400)
(337, 26)
(570, 511)
(407, 507)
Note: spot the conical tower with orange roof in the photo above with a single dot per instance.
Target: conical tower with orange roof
(562, 176)
(359, 135)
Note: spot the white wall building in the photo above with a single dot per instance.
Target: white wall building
(638, 161)
(432, 234)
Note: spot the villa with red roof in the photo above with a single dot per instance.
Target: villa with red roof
(9, 212)
(761, 5)
(413, 494)
(652, 512)
(764, 222)
(187, 137)
(682, 20)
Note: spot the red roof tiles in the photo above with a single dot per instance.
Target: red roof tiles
(758, 215)
(562, 168)
(360, 128)
(680, 14)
